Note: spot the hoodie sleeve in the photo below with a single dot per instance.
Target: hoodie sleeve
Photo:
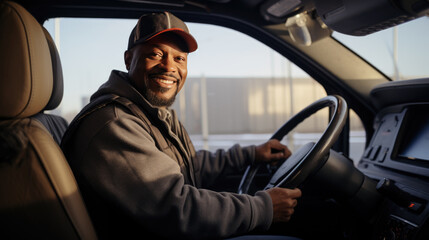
(122, 163)
(222, 163)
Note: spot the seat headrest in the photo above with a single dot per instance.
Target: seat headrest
(58, 87)
(25, 63)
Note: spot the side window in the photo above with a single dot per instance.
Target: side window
(89, 49)
(238, 90)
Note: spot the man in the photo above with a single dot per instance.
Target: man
(136, 165)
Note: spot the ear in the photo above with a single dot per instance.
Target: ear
(128, 56)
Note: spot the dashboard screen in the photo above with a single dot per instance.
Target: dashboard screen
(416, 137)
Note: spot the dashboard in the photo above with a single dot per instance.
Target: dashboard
(398, 158)
(401, 140)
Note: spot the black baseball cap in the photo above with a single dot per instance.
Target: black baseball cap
(153, 24)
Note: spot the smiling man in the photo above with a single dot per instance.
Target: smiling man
(158, 68)
(136, 166)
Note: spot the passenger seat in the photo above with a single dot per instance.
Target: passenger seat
(39, 195)
(55, 124)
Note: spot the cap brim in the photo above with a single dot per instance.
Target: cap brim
(188, 38)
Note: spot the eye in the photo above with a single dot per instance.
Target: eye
(155, 55)
(181, 59)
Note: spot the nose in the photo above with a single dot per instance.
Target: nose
(168, 64)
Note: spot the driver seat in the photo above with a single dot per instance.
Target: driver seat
(39, 195)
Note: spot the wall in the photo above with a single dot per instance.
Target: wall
(249, 105)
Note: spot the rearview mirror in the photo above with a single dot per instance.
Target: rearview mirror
(305, 30)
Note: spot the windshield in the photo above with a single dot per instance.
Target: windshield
(238, 90)
(400, 52)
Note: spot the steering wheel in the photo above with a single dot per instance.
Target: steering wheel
(307, 160)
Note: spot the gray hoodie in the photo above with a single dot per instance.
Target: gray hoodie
(135, 187)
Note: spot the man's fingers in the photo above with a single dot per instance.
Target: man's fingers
(271, 151)
(277, 147)
(295, 202)
(277, 156)
(284, 201)
(295, 193)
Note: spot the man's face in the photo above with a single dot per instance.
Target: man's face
(158, 69)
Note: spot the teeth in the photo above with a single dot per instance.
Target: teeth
(166, 81)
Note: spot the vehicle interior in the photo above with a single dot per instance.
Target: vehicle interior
(378, 190)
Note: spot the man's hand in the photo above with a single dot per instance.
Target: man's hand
(284, 201)
(271, 151)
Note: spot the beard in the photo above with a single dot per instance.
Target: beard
(156, 101)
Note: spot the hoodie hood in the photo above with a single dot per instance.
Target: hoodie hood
(120, 85)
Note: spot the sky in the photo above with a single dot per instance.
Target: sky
(104, 41)
(91, 48)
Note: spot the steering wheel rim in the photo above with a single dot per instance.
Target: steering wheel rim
(317, 155)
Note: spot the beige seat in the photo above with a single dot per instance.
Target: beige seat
(39, 197)
(56, 125)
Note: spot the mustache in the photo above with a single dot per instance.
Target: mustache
(163, 75)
